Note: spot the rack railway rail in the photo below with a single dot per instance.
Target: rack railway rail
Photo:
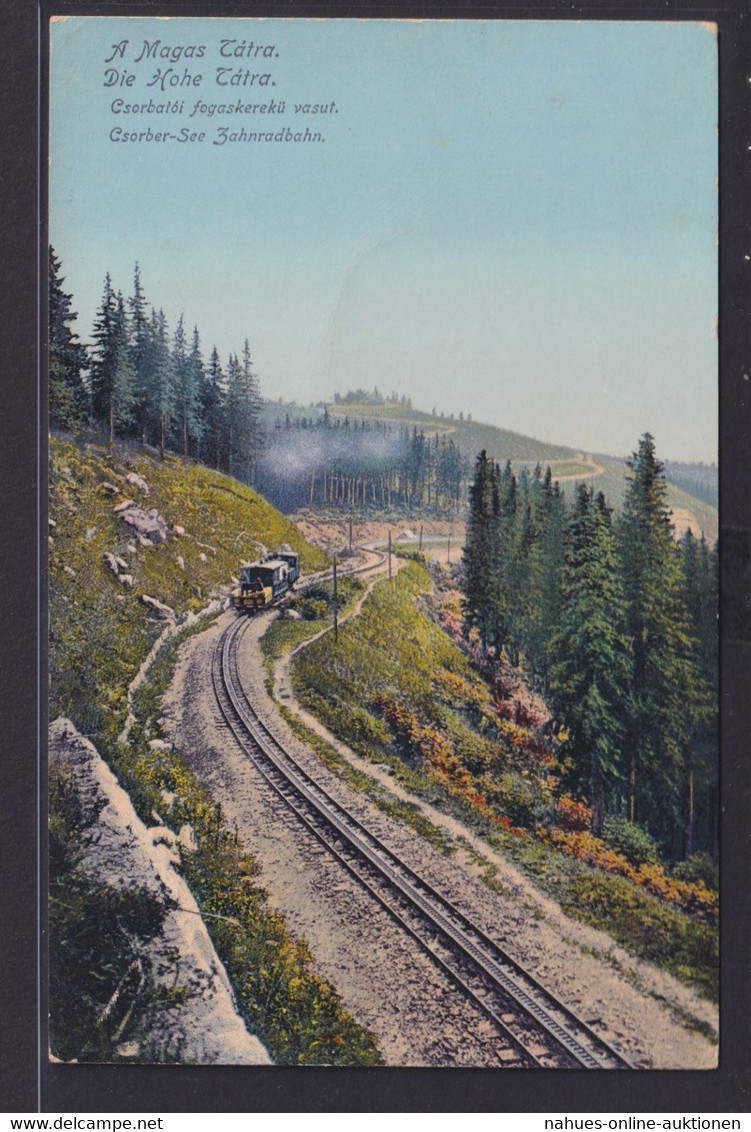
(538, 1031)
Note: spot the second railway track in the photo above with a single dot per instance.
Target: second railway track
(537, 1030)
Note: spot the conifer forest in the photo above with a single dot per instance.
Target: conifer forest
(610, 617)
(138, 378)
(616, 623)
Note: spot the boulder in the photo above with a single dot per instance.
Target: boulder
(186, 837)
(110, 560)
(159, 607)
(127, 580)
(69, 570)
(180, 561)
(158, 745)
(137, 481)
(202, 557)
(128, 1050)
(90, 532)
(179, 531)
(147, 524)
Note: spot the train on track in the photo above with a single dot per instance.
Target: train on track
(265, 582)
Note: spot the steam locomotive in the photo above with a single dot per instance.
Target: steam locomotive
(265, 582)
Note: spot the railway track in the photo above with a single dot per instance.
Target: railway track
(537, 1030)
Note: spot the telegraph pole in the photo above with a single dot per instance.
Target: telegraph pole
(336, 608)
(389, 554)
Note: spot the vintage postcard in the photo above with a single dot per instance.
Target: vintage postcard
(383, 486)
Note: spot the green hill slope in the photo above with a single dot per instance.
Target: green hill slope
(100, 627)
(311, 448)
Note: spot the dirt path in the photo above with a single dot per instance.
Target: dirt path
(595, 470)
(385, 979)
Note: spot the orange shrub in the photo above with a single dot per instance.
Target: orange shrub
(692, 898)
(571, 815)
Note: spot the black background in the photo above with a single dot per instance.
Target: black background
(28, 1083)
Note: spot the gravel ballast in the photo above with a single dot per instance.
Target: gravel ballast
(386, 979)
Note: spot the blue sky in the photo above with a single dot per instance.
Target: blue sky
(515, 219)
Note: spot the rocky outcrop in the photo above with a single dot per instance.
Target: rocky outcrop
(118, 849)
(147, 524)
(158, 606)
(111, 561)
(137, 481)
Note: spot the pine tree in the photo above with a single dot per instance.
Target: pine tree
(140, 354)
(590, 668)
(211, 402)
(197, 383)
(699, 568)
(506, 561)
(234, 403)
(69, 399)
(186, 375)
(112, 376)
(101, 368)
(665, 686)
(160, 386)
(250, 410)
(521, 537)
(480, 554)
(546, 564)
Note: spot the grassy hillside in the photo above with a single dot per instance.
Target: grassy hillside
(400, 691)
(101, 631)
(691, 488)
(471, 436)
(100, 628)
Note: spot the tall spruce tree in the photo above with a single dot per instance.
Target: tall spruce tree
(591, 667)
(505, 569)
(233, 431)
(68, 394)
(546, 563)
(140, 354)
(212, 408)
(186, 379)
(699, 568)
(518, 568)
(102, 353)
(197, 382)
(248, 431)
(480, 554)
(162, 397)
(665, 681)
(112, 377)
